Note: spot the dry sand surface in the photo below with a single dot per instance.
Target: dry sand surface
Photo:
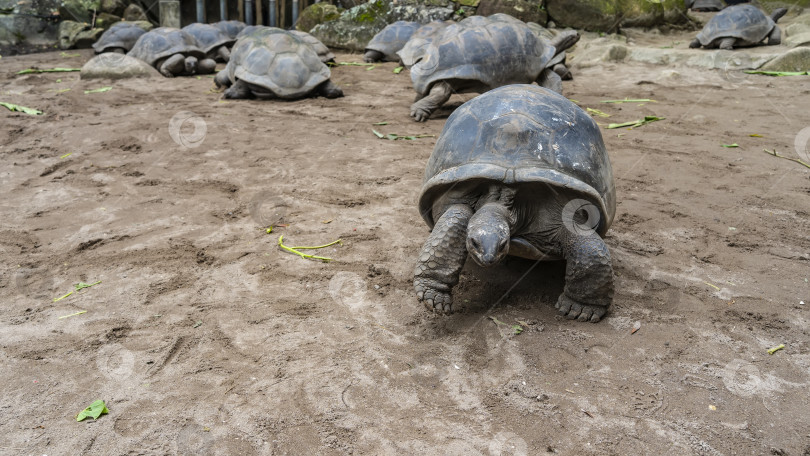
(204, 337)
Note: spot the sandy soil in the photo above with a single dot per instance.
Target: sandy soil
(204, 337)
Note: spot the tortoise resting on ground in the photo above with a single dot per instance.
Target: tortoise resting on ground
(230, 28)
(119, 38)
(522, 171)
(213, 41)
(173, 52)
(739, 26)
(323, 52)
(476, 55)
(274, 63)
(385, 44)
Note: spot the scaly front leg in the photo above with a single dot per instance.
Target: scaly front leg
(442, 258)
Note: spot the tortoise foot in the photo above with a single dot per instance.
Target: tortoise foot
(576, 310)
(433, 298)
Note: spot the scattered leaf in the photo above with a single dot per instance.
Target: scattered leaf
(773, 350)
(786, 158)
(398, 69)
(713, 286)
(636, 123)
(731, 145)
(95, 410)
(269, 230)
(754, 135)
(377, 133)
(198, 324)
(48, 70)
(371, 67)
(778, 73)
(66, 155)
(295, 250)
(22, 109)
(81, 285)
(631, 100)
(712, 407)
(65, 54)
(394, 136)
(99, 90)
(597, 112)
(380, 123)
(73, 314)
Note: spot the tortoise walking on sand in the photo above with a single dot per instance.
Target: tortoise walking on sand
(740, 26)
(173, 52)
(519, 170)
(385, 44)
(476, 55)
(274, 63)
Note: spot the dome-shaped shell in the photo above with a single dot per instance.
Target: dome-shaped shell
(208, 37)
(392, 38)
(278, 61)
(745, 21)
(414, 48)
(163, 42)
(522, 134)
(121, 35)
(249, 29)
(493, 52)
(323, 52)
(230, 28)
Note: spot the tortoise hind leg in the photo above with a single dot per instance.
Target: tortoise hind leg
(727, 43)
(439, 94)
(330, 90)
(588, 277)
(442, 258)
(775, 38)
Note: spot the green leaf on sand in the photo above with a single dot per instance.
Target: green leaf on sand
(394, 136)
(48, 70)
(778, 73)
(636, 123)
(65, 54)
(380, 123)
(398, 69)
(516, 329)
(631, 100)
(731, 145)
(99, 90)
(95, 410)
(597, 112)
(295, 250)
(22, 109)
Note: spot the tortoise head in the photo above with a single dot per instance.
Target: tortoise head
(489, 229)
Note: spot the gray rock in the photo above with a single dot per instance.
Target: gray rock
(795, 29)
(794, 60)
(134, 13)
(114, 7)
(802, 39)
(78, 10)
(315, 14)
(355, 27)
(525, 10)
(117, 66)
(421, 14)
(68, 31)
